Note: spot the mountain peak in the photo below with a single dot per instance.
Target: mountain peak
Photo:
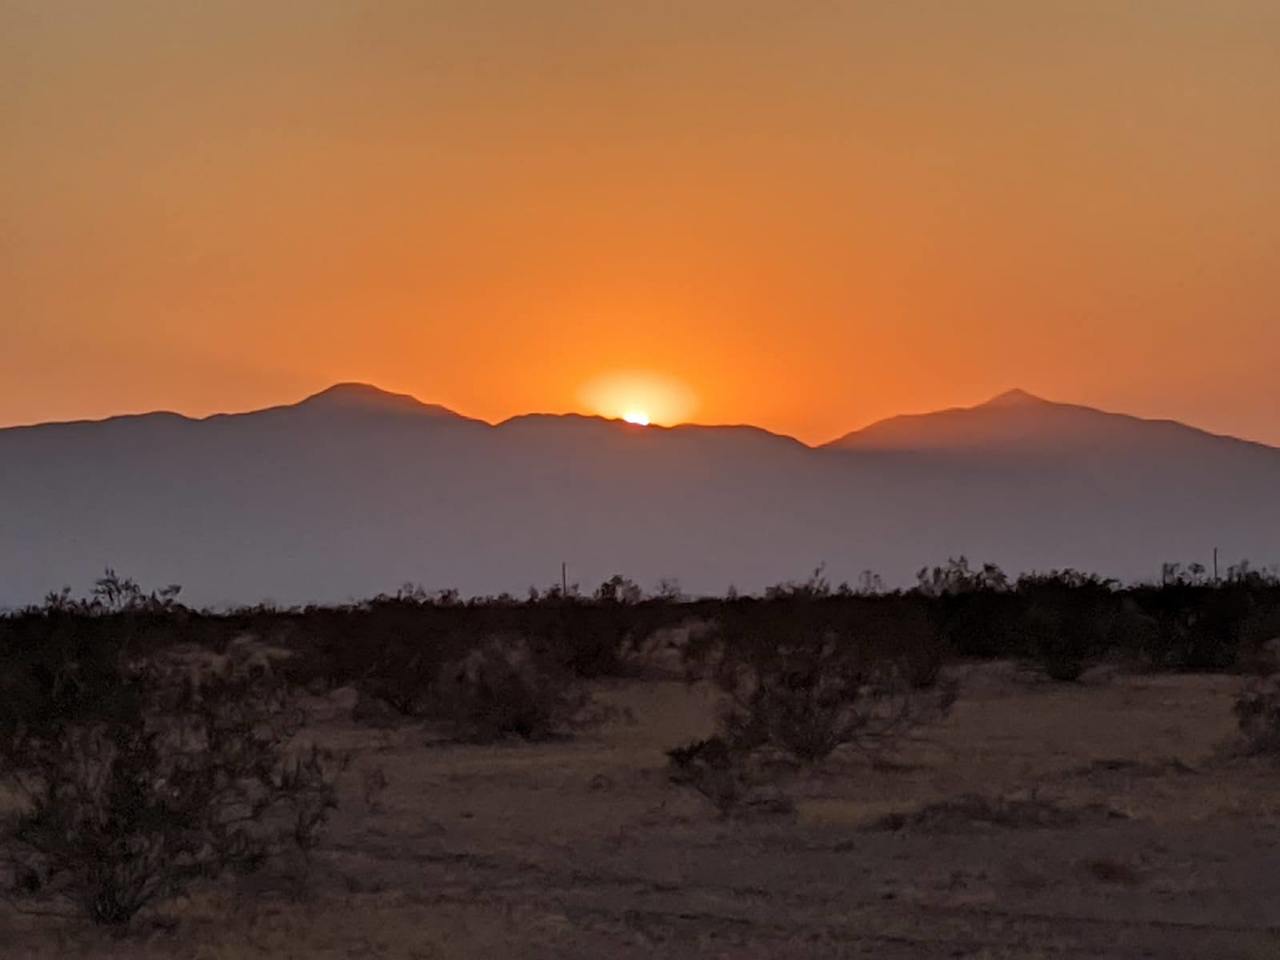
(1015, 398)
(354, 394)
(366, 397)
(1016, 422)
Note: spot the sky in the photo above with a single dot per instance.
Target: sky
(804, 215)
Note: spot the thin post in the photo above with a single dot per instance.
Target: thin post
(564, 579)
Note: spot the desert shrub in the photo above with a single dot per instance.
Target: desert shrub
(1257, 711)
(397, 650)
(56, 666)
(726, 775)
(402, 674)
(1067, 619)
(1199, 627)
(714, 768)
(1259, 650)
(815, 697)
(902, 630)
(1216, 631)
(502, 689)
(391, 649)
(808, 674)
(489, 669)
(581, 636)
(974, 611)
(61, 659)
(592, 636)
(157, 775)
(804, 673)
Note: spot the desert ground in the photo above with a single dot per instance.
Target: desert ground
(1099, 819)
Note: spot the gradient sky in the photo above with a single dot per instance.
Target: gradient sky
(805, 215)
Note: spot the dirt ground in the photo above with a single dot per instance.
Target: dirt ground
(1042, 820)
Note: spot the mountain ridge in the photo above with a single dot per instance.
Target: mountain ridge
(358, 398)
(356, 493)
(1017, 416)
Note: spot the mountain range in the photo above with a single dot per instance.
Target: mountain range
(355, 491)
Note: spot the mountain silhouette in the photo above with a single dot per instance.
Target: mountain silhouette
(1019, 422)
(354, 491)
(366, 398)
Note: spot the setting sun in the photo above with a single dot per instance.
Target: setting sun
(639, 397)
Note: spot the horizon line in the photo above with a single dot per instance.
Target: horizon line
(1007, 397)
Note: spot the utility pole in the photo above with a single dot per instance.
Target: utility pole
(564, 579)
(1215, 564)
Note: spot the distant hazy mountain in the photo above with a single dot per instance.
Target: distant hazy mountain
(1017, 423)
(356, 491)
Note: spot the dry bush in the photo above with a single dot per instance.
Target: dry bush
(974, 610)
(404, 653)
(152, 779)
(501, 689)
(816, 698)
(488, 670)
(806, 674)
(727, 776)
(803, 674)
(1066, 621)
(1198, 625)
(1257, 711)
(714, 769)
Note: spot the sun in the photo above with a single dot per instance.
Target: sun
(639, 398)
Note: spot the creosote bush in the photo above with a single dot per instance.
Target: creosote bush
(728, 775)
(805, 673)
(502, 689)
(809, 698)
(1067, 620)
(421, 654)
(138, 776)
(714, 768)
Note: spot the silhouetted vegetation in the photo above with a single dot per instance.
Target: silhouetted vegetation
(808, 670)
(138, 773)
(503, 689)
(1067, 621)
(804, 672)
(399, 649)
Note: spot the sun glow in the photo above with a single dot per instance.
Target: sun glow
(639, 398)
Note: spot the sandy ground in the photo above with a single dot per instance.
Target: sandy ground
(1150, 844)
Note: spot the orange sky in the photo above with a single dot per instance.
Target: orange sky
(806, 214)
